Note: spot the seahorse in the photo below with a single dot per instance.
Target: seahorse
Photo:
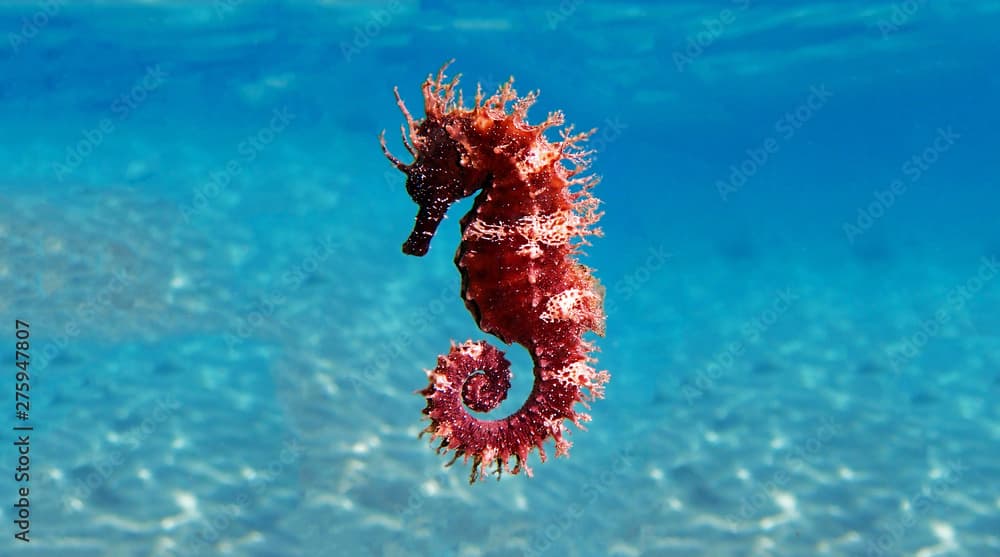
(520, 279)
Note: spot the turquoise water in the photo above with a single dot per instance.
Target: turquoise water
(800, 252)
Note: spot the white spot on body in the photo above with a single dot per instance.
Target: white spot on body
(471, 349)
(583, 376)
(552, 230)
(567, 305)
(478, 229)
(441, 383)
(539, 157)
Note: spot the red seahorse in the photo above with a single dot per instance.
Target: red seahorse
(519, 277)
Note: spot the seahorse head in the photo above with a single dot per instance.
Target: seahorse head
(440, 175)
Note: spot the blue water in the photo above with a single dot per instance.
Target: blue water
(800, 251)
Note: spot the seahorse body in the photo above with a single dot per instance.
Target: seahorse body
(519, 276)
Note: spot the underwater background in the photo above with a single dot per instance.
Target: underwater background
(801, 243)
